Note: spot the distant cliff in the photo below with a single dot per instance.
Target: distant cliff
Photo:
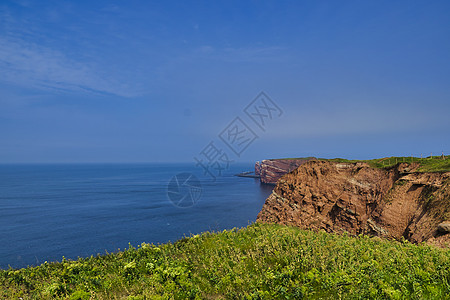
(270, 170)
(395, 202)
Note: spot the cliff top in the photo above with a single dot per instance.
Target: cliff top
(426, 164)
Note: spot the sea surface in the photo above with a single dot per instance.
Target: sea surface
(48, 211)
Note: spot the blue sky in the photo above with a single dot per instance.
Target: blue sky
(144, 81)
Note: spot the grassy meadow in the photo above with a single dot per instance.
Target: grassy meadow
(261, 261)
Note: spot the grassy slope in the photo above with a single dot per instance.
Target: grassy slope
(258, 262)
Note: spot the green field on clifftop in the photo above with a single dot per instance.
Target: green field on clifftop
(428, 164)
(258, 262)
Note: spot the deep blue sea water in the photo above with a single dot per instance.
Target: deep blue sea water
(78, 210)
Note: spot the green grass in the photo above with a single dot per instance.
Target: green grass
(435, 164)
(257, 262)
(427, 164)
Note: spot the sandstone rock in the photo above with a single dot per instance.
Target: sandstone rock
(258, 168)
(358, 199)
(444, 227)
(270, 170)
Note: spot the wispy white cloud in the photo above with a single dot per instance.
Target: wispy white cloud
(28, 64)
(33, 60)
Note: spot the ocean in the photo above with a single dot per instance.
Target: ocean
(48, 211)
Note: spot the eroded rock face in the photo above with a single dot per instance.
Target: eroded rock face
(356, 198)
(444, 227)
(270, 170)
(258, 168)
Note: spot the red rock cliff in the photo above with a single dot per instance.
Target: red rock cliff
(270, 170)
(356, 198)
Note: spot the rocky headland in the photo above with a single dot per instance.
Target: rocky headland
(395, 202)
(270, 170)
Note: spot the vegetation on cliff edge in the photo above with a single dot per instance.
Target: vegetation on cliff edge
(427, 164)
(261, 261)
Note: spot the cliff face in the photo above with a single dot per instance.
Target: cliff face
(356, 198)
(270, 170)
